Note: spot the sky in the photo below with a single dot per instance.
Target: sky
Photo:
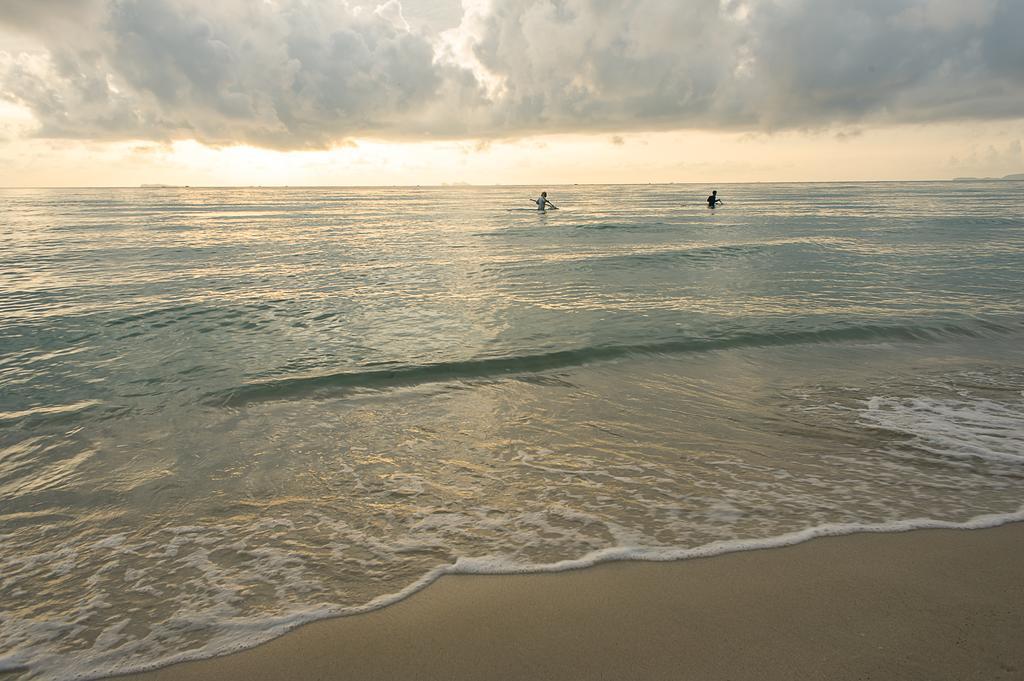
(329, 92)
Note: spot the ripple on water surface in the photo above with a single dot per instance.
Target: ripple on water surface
(225, 412)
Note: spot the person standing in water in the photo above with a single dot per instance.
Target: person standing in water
(713, 200)
(543, 203)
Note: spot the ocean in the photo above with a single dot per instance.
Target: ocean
(226, 412)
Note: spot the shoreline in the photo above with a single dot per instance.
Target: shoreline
(924, 604)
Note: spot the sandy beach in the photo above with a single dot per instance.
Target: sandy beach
(928, 605)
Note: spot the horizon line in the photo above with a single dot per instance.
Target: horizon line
(463, 185)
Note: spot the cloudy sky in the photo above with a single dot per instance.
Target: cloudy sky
(100, 92)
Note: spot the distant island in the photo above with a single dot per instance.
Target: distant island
(1016, 176)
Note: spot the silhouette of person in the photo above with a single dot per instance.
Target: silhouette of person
(713, 200)
(542, 202)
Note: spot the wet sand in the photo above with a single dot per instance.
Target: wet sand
(929, 605)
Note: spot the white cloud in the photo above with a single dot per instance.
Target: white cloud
(308, 73)
(290, 73)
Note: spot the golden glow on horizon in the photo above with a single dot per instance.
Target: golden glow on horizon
(611, 71)
(904, 153)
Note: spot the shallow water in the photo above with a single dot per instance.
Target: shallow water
(227, 411)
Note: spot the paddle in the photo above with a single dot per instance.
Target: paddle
(537, 201)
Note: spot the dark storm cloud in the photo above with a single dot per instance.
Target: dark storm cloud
(300, 73)
(892, 60)
(753, 65)
(1003, 44)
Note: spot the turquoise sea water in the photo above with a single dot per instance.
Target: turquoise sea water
(224, 412)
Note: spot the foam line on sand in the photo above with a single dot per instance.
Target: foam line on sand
(927, 604)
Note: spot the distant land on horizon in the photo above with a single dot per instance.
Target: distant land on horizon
(1015, 176)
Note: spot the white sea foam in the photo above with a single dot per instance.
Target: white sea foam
(112, 650)
(964, 428)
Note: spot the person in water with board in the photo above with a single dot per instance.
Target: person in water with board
(543, 203)
(713, 200)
